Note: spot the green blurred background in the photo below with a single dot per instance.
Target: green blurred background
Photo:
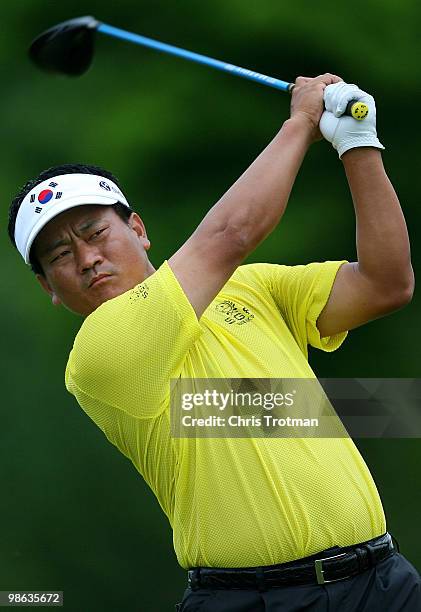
(75, 514)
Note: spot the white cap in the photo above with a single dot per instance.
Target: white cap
(55, 195)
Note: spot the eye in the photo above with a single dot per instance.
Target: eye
(59, 256)
(98, 233)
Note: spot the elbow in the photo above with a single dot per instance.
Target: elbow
(402, 296)
(406, 295)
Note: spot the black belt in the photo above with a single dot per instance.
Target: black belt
(327, 566)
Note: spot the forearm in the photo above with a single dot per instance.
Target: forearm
(255, 203)
(382, 239)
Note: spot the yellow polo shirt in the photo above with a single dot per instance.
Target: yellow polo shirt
(232, 502)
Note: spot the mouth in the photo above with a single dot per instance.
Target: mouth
(99, 279)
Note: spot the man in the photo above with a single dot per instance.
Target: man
(298, 522)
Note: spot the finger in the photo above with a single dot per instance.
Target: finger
(328, 78)
(338, 95)
(302, 80)
(351, 93)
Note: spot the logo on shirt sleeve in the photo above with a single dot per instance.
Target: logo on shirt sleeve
(140, 291)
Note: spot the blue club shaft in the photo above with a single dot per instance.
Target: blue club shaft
(195, 57)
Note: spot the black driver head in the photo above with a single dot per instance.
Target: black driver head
(66, 48)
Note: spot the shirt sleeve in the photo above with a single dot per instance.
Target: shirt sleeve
(128, 349)
(300, 293)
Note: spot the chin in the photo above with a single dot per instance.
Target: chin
(108, 292)
(101, 294)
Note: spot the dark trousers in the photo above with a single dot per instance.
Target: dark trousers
(393, 585)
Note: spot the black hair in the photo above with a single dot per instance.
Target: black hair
(122, 211)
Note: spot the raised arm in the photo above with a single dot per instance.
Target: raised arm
(382, 280)
(254, 205)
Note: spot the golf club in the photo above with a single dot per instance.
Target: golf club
(68, 48)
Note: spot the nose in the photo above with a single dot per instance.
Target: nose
(87, 257)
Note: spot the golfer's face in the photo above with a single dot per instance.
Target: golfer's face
(90, 255)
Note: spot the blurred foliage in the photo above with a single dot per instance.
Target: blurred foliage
(76, 516)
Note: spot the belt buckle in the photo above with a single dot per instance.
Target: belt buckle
(318, 565)
(193, 579)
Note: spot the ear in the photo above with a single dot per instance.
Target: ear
(44, 284)
(137, 225)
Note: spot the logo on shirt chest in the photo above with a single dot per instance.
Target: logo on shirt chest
(233, 314)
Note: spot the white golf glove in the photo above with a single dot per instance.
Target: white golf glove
(345, 132)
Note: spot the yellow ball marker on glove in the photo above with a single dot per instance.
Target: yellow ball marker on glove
(349, 119)
(358, 110)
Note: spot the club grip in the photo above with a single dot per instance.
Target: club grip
(358, 110)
